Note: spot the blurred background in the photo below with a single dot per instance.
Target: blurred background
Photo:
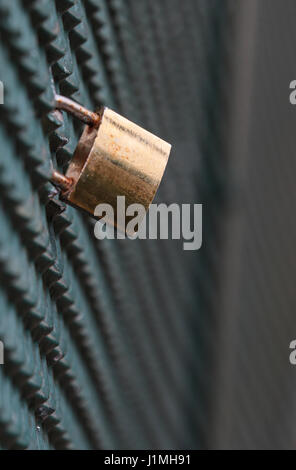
(138, 344)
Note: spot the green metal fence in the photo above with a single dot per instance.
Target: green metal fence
(106, 341)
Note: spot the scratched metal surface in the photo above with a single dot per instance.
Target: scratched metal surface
(107, 344)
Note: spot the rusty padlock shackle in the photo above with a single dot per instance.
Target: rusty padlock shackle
(114, 157)
(80, 112)
(84, 115)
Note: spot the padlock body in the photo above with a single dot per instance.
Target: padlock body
(119, 158)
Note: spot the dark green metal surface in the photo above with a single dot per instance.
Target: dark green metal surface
(105, 342)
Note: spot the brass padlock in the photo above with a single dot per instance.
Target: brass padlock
(114, 157)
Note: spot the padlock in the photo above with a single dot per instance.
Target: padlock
(114, 157)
